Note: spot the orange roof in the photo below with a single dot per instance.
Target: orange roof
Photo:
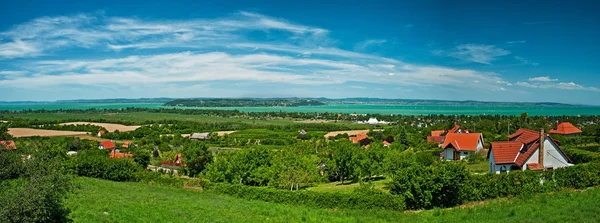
(8, 144)
(524, 136)
(386, 143)
(534, 166)
(565, 128)
(118, 155)
(437, 132)
(463, 142)
(101, 132)
(108, 145)
(455, 129)
(126, 144)
(506, 152)
(357, 138)
(438, 139)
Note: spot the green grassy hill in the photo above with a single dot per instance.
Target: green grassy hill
(107, 201)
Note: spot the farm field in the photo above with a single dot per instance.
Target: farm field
(108, 126)
(106, 201)
(349, 132)
(28, 132)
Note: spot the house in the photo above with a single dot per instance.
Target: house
(8, 145)
(200, 136)
(566, 128)
(386, 144)
(71, 153)
(358, 138)
(106, 145)
(176, 163)
(127, 144)
(101, 133)
(458, 146)
(302, 132)
(119, 155)
(436, 139)
(437, 132)
(527, 150)
(456, 129)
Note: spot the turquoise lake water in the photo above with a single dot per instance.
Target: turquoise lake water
(346, 108)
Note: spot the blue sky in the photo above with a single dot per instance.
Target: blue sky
(450, 50)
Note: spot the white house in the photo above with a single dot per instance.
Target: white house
(524, 151)
(458, 146)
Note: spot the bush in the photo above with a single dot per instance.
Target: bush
(582, 156)
(96, 164)
(360, 199)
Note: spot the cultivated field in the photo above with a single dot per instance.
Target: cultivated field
(108, 126)
(349, 132)
(27, 132)
(222, 133)
(107, 201)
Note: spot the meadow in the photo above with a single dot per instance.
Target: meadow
(99, 200)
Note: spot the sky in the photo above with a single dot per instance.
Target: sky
(516, 51)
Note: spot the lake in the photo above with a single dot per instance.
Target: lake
(345, 108)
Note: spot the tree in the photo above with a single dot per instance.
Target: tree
(343, 156)
(4, 133)
(195, 156)
(141, 156)
(402, 139)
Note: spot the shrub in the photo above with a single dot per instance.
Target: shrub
(582, 156)
(360, 199)
(96, 164)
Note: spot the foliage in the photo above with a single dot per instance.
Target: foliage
(95, 163)
(360, 199)
(195, 157)
(240, 103)
(33, 190)
(582, 156)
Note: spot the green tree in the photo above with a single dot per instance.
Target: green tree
(195, 157)
(343, 156)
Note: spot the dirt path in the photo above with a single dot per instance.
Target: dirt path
(108, 126)
(27, 132)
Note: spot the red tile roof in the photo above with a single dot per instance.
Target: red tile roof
(386, 143)
(357, 138)
(101, 132)
(565, 128)
(534, 166)
(522, 158)
(126, 144)
(437, 132)
(455, 129)
(462, 142)
(108, 145)
(524, 136)
(438, 139)
(505, 152)
(118, 155)
(8, 144)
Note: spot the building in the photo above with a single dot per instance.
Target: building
(386, 144)
(119, 155)
(456, 129)
(458, 146)
(8, 145)
(126, 145)
(302, 132)
(200, 136)
(101, 133)
(527, 150)
(358, 138)
(566, 128)
(106, 145)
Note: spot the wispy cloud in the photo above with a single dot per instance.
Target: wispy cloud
(477, 53)
(369, 43)
(542, 79)
(526, 62)
(561, 86)
(516, 42)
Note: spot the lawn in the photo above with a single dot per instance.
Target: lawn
(348, 187)
(107, 201)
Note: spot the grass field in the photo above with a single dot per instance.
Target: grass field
(28, 132)
(349, 187)
(107, 201)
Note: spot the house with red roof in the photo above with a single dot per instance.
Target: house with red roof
(8, 145)
(386, 144)
(527, 150)
(456, 129)
(126, 144)
(106, 145)
(566, 128)
(458, 146)
(101, 133)
(358, 138)
(118, 155)
(438, 136)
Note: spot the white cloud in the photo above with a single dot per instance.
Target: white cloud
(478, 53)
(542, 79)
(369, 43)
(546, 84)
(525, 61)
(516, 42)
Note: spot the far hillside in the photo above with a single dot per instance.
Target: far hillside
(241, 103)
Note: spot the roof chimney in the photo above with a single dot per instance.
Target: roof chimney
(556, 125)
(541, 150)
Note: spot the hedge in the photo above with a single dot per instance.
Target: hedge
(96, 164)
(445, 185)
(582, 156)
(359, 199)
